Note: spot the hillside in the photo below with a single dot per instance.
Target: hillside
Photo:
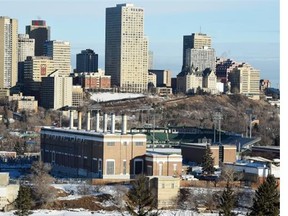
(198, 111)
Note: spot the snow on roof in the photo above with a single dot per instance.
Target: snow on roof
(109, 96)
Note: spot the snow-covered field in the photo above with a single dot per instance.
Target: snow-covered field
(109, 96)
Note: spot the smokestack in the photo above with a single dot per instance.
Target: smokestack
(112, 123)
(79, 120)
(88, 120)
(105, 123)
(97, 121)
(124, 124)
(71, 119)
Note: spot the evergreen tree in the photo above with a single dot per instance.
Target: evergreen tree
(23, 202)
(141, 201)
(227, 201)
(208, 161)
(267, 199)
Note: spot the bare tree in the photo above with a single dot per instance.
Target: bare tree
(42, 191)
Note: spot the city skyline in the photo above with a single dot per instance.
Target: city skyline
(252, 35)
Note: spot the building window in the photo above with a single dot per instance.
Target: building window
(100, 165)
(124, 167)
(172, 185)
(110, 143)
(138, 166)
(163, 185)
(110, 167)
(174, 167)
(139, 143)
(149, 170)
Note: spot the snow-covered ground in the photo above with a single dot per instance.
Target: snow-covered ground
(109, 96)
(81, 212)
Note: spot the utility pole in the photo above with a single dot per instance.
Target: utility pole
(249, 112)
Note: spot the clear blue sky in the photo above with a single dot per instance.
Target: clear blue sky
(244, 30)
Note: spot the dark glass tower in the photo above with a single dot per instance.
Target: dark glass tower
(40, 32)
(87, 61)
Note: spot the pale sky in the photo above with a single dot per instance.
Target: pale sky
(244, 30)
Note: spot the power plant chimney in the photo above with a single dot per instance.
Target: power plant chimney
(105, 123)
(79, 120)
(97, 121)
(88, 120)
(124, 124)
(71, 119)
(112, 123)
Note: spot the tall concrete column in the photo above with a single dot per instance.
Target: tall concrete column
(88, 120)
(79, 120)
(124, 124)
(112, 123)
(97, 121)
(105, 123)
(71, 119)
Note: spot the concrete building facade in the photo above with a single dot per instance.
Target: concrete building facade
(152, 78)
(56, 91)
(189, 80)
(77, 96)
(166, 189)
(163, 77)
(8, 192)
(8, 52)
(209, 81)
(59, 51)
(26, 47)
(34, 69)
(195, 41)
(126, 51)
(24, 102)
(39, 31)
(245, 80)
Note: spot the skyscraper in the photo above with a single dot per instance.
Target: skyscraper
(126, 53)
(26, 47)
(40, 32)
(87, 61)
(8, 52)
(195, 41)
(60, 53)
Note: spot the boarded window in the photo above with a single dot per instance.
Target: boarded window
(110, 168)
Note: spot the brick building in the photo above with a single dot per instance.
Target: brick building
(194, 152)
(97, 80)
(93, 153)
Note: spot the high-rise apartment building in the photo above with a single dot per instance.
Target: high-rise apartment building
(150, 60)
(245, 80)
(60, 53)
(39, 31)
(195, 41)
(201, 59)
(8, 52)
(26, 47)
(126, 53)
(34, 69)
(87, 61)
(56, 91)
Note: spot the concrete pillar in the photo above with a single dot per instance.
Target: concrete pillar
(124, 124)
(97, 121)
(112, 123)
(105, 123)
(88, 120)
(71, 119)
(79, 120)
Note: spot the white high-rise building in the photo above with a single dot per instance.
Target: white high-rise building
(26, 47)
(126, 52)
(8, 52)
(61, 55)
(56, 91)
